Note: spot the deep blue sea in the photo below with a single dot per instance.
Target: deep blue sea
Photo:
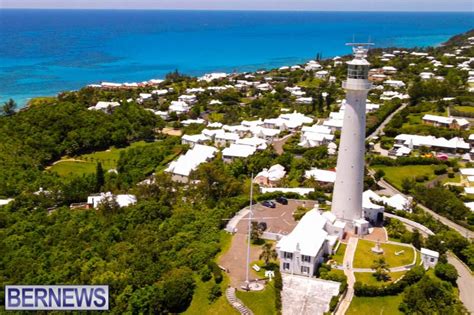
(43, 52)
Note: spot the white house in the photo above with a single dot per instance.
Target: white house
(181, 168)
(192, 140)
(188, 99)
(122, 200)
(447, 122)
(258, 143)
(237, 151)
(178, 107)
(225, 139)
(270, 177)
(323, 176)
(429, 258)
(104, 106)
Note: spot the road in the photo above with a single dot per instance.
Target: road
(386, 121)
(465, 282)
(349, 272)
(461, 230)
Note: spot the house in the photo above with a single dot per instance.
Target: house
(322, 176)
(454, 145)
(389, 70)
(467, 177)
(192, 140)
(178, 107)
(163, 115)
(395, 83)
(447, 122)
(258, 143)
(237, 151)
(122, 200)
(225, 139)
(4, 202)
(314, 139)
(212, 76)
(188, 99)
(265, 133)
(106, 107)
(429, 258)
(304, 100)
(321, 74)
(188, 122)
(301, 251)
(181, 168)
(270, 177)
(426, 75)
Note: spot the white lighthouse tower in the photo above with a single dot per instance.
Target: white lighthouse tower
(349, 184)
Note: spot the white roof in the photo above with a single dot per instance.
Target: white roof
(308, 236)
(259, 143)
(215, 125)
(4, 202)
(446, 120)
(228, 136)
(297, 117)
(429, 252)
(317, 129)
(300, 191)
(471, 136)
(122, 200)
(193, 121)
(430, 141)
(469, 190)
(274, 173)
(104, 105)
(191, 159)
(470, 205)
(467, 171)
(321, 175)
(195, 138)
(239, 150)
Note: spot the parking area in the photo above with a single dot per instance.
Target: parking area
(279, 219)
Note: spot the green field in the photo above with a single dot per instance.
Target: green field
(466, 109)
(339, 255)
(86, 163)
(368, 278)
(364, 257)
(260, 302)
(395, 174)
(381, 305)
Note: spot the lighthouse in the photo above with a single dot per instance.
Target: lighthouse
(349, 184)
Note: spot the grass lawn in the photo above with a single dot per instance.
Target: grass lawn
(86, 163)
(200, 304)
(310, 83)
(466, 109)
(260, 302)
(395, 174)
(386, 305)
(368, 278)
(339, 255)
(364, 257)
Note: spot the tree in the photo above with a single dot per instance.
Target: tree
(407, 185)
(446, 272)
(178, 289)
(255, 232)
(417, 239)
(268, 253)
(381, 269)
(100, 177)
(430, 296)
(9, 107)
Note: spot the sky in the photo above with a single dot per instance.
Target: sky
(313, 5)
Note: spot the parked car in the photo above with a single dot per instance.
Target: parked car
(269, 204)
(282, 200)
(262, 226)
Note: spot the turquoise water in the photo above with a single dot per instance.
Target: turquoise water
(43, 52)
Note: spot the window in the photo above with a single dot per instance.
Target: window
(305, 258)
(432, 259)
(304, 269)
(287, 255)
(286, 266)
(357, 71)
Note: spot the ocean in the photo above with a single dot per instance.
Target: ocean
(43, 52)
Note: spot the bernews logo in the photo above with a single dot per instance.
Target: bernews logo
(57, 297)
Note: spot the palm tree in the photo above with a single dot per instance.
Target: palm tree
(381, 269)
(268, 253)
(9, 107)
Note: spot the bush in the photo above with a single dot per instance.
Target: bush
(333, 303)
(440, 169)
(214, 293)
(205, 274)
(278, 283)
(216, 272)
(446, 272)
(450, 175)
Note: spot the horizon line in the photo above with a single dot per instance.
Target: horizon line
(230, 10)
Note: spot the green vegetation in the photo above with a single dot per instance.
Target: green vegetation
(260, 302)
(383, 305)
(364, 257)
(86, 163)
(339, 255)
(369, 279)
(396, 174)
